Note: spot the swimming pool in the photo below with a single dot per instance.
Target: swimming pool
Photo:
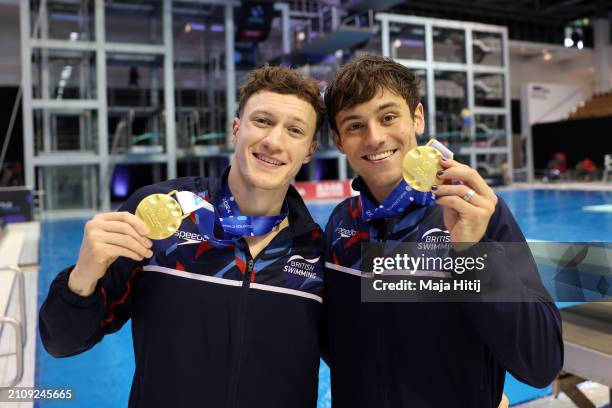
(101, 377)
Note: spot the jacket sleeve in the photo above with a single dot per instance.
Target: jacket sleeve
(523, 334)
(71, 324)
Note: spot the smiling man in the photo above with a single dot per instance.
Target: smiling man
(411, 354)
(225, 311)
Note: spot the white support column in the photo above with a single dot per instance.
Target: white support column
(48, 144)
(169, 90)
(46, 184)
(85, 130)
(102, 107)
(342, 170)
(601, 34)
(508, 103)
(230, 72)
(285, 26)
(26, 86)
(430, 110)
(526, 130)
(469, 89)
(384, 30)
(95, 191)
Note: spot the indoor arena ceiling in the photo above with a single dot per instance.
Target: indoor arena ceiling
(532, 20)
(554, 11)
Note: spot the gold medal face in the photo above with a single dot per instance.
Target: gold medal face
(161, 213)
(420, 167)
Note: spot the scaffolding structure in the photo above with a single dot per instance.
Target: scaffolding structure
(458, 60)
(81, 121)
(64, 81)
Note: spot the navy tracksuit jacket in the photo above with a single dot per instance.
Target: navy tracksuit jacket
(211, 327)
(431, 355)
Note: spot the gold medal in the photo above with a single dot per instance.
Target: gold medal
(161, 213)
(420, 167)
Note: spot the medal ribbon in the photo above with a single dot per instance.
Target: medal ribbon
(228, 218)
(236, 225)
(400, 198)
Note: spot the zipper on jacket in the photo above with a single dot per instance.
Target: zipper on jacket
(233, 400)
(246, 283)
(381, 238)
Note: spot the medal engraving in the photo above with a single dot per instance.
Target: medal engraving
(420, 167)
(161, 213)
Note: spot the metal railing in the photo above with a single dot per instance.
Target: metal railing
(20, 326)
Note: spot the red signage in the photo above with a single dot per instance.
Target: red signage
(335, 189)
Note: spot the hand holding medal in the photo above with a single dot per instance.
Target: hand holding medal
(106, 237)
(468, 206)
(163, 216)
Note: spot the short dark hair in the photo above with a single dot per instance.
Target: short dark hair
(361, 79)
(285, 81)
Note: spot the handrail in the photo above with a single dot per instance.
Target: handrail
(22, 306)
(18, 349)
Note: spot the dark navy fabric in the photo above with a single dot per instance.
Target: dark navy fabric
(431, 354)
(207, 331)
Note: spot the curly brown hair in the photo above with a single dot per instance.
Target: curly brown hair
(361, 79)
(285, 81)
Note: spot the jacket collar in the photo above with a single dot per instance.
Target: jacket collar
(300, 220)
(359, 185)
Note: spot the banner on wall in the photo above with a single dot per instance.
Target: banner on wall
(16, 204)
(333, 189)
(549, 102)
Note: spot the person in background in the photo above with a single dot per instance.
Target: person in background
(556, 167)
(586, 170)
(466, 124)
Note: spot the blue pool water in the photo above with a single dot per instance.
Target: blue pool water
(101, 377)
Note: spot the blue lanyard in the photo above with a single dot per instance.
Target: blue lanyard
(400, 198)
(235, 224)
(232, 223)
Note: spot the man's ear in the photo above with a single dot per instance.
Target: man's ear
(337, 140)
(235, 125)
(313, 148)
(418, 117)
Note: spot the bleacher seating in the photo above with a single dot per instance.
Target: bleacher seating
(599, 106)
